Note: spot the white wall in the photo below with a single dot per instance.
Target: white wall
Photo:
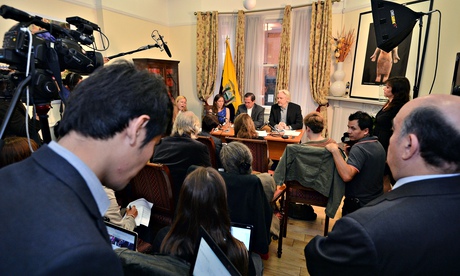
(128, 25)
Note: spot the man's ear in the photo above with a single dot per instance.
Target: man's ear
(410, 146)
(135, 126)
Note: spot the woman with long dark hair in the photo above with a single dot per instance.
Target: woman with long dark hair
(203, 202)
(397, 90)
(220, 110)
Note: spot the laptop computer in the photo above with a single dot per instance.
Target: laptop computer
(243, 233)
(120, 237)
(210, 259)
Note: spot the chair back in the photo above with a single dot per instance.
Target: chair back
(153, 182)
(259, 152)
(209, 142)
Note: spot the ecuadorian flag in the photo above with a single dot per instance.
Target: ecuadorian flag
(229, 85)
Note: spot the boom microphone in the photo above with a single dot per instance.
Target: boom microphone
(165, 46)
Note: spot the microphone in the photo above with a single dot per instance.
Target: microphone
(165, 46)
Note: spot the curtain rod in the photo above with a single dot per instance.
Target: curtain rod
(272, 9)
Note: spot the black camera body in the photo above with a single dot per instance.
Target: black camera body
(53, 51)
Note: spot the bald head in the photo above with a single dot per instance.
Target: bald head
(426, 134)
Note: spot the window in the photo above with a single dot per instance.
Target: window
(272, 44)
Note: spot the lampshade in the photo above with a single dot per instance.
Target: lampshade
(249, 4)
(393, 22)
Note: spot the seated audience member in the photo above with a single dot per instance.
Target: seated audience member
(248, 195)
(412, 230)
(284, 114)
(363, 170)
(244, 127)
(54, 203)
(314, 125)
(15, 149)
(180, 150)
(114, 215)
(220, 110)
(71, 80)
(203, 202)
(209, 123)
(255, 111)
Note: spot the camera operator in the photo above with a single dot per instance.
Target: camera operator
(17, 123)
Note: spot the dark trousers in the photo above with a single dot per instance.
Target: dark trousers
(350, 205)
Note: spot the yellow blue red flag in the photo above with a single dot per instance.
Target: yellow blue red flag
(229, 85)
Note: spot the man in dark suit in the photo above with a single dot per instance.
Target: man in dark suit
(284, 114)
(413, 229)
(52, 203)
(254, 110)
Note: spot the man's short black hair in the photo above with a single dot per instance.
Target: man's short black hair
(249, 94)
(364, 121)
(103, 104)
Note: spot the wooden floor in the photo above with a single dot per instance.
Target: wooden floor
(299, 233)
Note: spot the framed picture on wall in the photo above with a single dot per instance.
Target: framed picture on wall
(373, 66)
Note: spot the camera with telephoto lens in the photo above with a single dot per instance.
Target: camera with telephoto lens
(52, 51)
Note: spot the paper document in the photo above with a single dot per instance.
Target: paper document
(261, 133)
(291, 133)
(144, 209)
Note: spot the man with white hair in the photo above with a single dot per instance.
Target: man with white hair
(284, 114)
(413, 229)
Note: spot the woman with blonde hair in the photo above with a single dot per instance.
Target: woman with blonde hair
(181, 103)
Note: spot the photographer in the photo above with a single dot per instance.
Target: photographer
(363, 170)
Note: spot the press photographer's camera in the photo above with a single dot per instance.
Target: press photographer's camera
(65, 42)
(36, 59)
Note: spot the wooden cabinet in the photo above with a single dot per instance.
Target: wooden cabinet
(168, 69)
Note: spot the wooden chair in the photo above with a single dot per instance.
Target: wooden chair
(295, 192)
(154, 184)
(259, 152)
(209, 142)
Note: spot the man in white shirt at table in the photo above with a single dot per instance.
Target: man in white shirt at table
(252, 109)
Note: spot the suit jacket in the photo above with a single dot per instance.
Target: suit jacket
(293, 116)
(412, 230)
(257, 114)
(51, 221)
(179, 153)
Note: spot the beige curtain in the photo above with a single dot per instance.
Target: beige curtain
(282, 79)
(320, 54)
(206, 53)
(239, 52)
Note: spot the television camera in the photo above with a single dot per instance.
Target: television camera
(37, 59)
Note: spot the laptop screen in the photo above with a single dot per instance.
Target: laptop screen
(210, 260)
(242, 232)
(120, 237)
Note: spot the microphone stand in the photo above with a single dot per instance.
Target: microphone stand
(134, 51)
